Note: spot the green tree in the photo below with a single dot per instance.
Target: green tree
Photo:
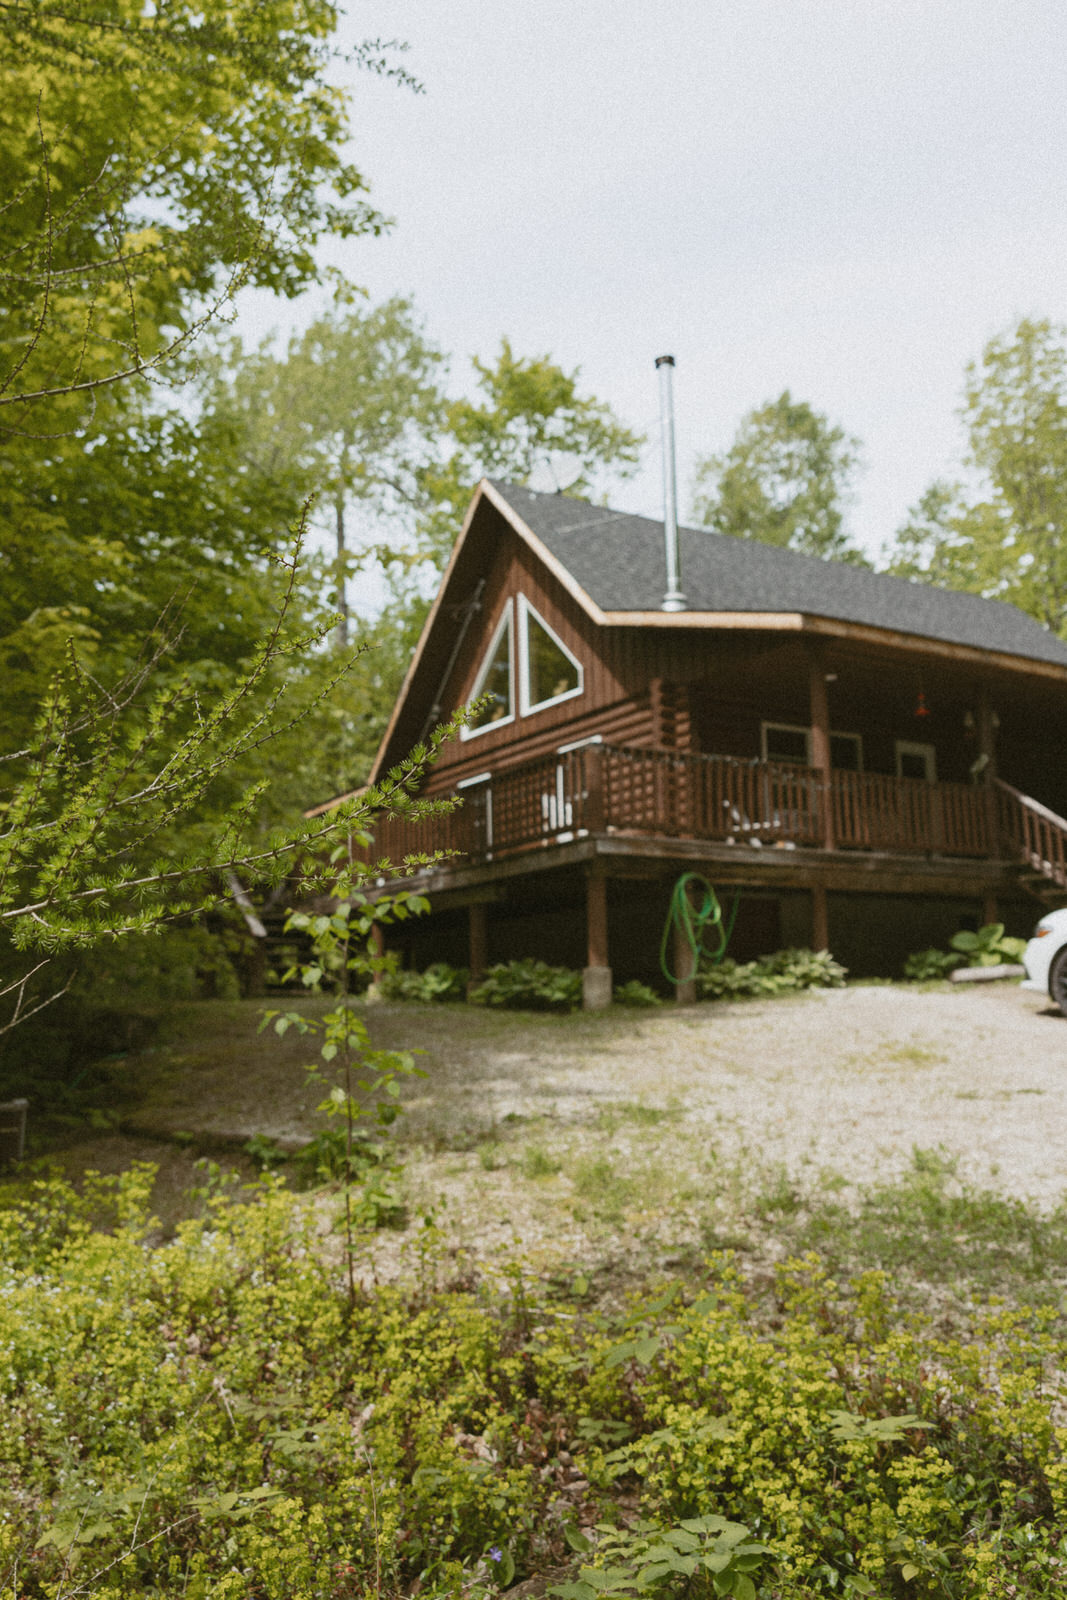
(133, 798)
(532, 416)
(153, 159)
(1008, 537)
(785, 480)
(352, 410)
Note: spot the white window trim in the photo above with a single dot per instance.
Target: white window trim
(475, 782)
(796, 727)
(526, 708)
(916, 747)
(483, 672)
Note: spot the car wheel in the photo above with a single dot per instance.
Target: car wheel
(1057, 981)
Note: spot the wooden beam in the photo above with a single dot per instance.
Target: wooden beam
(596, 975)
(685, 968)
(478, 930)
(820, 921)
(596, 919)
(820, 743)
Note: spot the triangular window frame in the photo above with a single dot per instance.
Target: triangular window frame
(527, 706)
(504, 626)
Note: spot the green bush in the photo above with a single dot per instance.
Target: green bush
(922, 966)
(212, 1417)
(635, 994)
(989, 947)
(529, 986)
(438, 982)
(785, 972)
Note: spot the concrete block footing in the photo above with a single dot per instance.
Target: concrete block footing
(596, 988)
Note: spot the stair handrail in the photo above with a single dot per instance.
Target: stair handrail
(1030, 804)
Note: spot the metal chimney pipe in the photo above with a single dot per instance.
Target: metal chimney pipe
(674, 599)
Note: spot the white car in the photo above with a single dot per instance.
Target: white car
(1045, 958)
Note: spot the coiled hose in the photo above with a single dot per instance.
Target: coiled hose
(695, 920)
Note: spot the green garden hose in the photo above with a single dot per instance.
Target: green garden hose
(694, 922)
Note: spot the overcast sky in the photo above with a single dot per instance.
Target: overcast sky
(845, 198)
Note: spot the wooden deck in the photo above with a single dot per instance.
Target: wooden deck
(601, 789)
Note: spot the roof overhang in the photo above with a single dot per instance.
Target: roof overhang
(834, 628)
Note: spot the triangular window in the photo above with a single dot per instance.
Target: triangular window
(549, 671)
(494, 682)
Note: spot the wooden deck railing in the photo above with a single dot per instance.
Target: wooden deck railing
(1036, 835)
(873, 811)
(667, 793)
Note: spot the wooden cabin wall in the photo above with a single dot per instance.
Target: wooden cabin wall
(617, 698)
(706, 690)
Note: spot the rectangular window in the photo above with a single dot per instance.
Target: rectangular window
(789, 742)
(916, 760)
(785, 742)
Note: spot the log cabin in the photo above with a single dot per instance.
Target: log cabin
(865, 763)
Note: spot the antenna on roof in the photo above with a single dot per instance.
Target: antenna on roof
(674, 599)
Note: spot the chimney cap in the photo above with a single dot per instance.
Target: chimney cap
(665, 361)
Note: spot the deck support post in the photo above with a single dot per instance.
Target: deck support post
(820, 921)
(684, 961)
(989, 908)
(820, 742)
(478, 948)
(596, 976)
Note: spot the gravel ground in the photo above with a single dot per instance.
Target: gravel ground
(567, 1137)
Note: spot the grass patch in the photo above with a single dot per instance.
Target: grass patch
(932, 1226)
(537, 1162)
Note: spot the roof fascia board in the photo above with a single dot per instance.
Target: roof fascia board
(799, 622)
(431, 618)
(544, 554)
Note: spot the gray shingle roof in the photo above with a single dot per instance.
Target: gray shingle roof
(618, 560)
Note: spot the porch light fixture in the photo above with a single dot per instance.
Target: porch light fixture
(968, 722)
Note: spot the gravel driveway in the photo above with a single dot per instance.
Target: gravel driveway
(533, 1130)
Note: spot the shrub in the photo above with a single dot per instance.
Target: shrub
(785, 972)
(213, 1417)
(438, 982)
(529, 986)
(989, 947)
(923, 965)
(635, 994)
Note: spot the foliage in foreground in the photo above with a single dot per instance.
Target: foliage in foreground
(210, 1416)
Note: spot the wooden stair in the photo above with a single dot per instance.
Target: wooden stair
(1037, 837)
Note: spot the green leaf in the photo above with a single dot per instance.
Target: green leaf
(576, 1539)
(909, 1570)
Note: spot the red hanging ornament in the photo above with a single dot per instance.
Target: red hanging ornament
(922, 710)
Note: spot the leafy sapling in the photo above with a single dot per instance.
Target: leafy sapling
(361, 1083)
